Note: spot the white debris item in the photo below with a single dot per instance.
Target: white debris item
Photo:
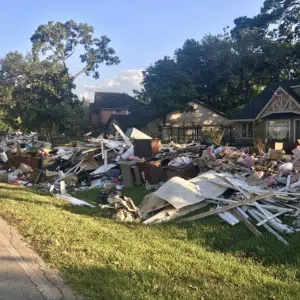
(179, 192)
(3, 157)
(286, 168)
(205, 187)
(126, 154)
(229, 218)
(151, 203)
(136, 134)
(73, 200)
(180, 162)
(103, 169)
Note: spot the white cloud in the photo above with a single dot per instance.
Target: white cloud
(125, 82)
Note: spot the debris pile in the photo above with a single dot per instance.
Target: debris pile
(238, 185)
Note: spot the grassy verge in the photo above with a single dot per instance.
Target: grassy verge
(103, 259)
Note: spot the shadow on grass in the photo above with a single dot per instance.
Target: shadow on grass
(211, 233)
(119, 282)
(237, 240)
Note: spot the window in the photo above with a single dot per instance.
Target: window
(243, 130)
(278, 129)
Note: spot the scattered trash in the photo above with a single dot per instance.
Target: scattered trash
(238, 185)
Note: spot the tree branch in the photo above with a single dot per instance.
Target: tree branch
(83, 70)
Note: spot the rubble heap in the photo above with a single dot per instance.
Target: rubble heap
(238, 185)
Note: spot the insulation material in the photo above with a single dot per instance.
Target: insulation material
(179, 192)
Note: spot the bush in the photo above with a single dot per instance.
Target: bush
(214, 135)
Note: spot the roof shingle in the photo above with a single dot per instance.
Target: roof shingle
(254, 107)
(111, 100)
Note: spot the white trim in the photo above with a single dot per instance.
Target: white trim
(295, 127)
(295, 86)
(242, 120)
(281, 89)
(290, 129)
(288, 111)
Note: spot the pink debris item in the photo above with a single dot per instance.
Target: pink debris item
(248, 161)
(260, 173)
(210, 151)
(271, 181)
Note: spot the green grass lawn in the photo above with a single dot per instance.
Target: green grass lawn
(103, 259)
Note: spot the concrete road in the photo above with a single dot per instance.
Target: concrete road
(24, 275)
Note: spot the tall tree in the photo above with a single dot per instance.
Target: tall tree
(59, 41)
(45, 102)
(166, 88)
(280, 19)
(15, 69)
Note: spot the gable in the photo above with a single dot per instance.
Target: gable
(257, 106)
(280, 102)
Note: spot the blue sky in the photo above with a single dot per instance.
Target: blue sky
(141, 31)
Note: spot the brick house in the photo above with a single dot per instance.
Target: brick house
(107, 104)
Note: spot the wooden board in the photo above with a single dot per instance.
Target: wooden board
(228, 207)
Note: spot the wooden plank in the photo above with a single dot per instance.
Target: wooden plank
(125, 138)
(250, 226)
(229, 206)
(271, 217)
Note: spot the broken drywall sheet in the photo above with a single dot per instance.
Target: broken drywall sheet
(206, 188)
(179, 192)
(136, 134)
(103, 169)
(151, 203)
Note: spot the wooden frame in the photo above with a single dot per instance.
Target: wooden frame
(283, 107)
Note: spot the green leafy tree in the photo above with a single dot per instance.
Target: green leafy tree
(280, 19)
(165, 89)
(58, 42)
(45, 103)
(15, 69)
(224, 71)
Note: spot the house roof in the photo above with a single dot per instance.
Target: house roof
(254, 107)
(111, 100)
(212, 109)
(135, 119)
(142, 118)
